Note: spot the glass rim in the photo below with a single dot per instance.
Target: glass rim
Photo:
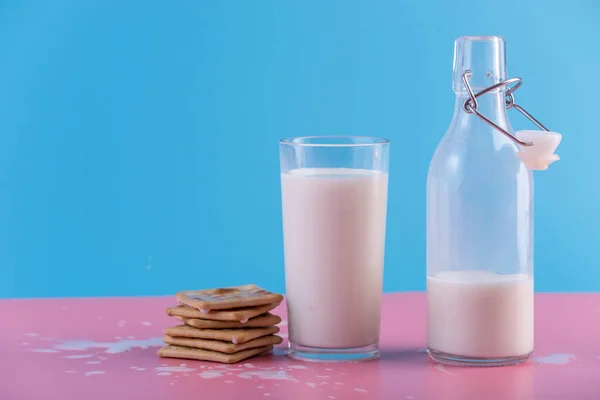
(480, 39)
(370, 141)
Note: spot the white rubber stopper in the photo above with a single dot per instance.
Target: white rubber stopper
(541, 154)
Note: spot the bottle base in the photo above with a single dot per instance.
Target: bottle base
(465, 361)
(305, 353)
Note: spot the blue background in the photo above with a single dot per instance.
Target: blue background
(138, 140)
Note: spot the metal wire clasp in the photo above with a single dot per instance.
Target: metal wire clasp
(470, 106)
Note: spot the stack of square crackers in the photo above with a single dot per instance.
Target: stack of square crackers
(224, 325)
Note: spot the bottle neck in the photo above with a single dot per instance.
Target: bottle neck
(482, 59)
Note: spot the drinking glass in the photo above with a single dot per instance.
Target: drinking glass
(334, 200)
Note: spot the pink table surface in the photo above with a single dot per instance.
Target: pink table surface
(106, 349)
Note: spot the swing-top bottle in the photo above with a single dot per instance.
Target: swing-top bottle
(479, 223)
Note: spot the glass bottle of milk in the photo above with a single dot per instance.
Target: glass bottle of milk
(479, 222)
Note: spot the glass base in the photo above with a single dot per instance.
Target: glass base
(464, 361)
(304, 353)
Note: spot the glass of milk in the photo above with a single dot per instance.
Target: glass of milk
(334, 200)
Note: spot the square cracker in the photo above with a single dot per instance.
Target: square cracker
(256, 322)
(235, 336)
(226, 298)
(207, 355)
(236, 314)
(223, 347)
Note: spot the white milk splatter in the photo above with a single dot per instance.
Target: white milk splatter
(70, 372)
(77, 356)
(130, 337)
(409, 398)
(331, 397)
(44, 351)
(32, 334)
(228, 381)
(140, 369)
(25, 344)
(296, 367)
(90, 373)
(163, 373)
(267, 394)
(211, 374)
(328, 369)
(110, 347)
(147, 323)
(274, 375)
(311, 384)
(174, 369)
(441, 368)
(338, 383)
(361, 390)
(93, 362)
(230, 369)
(556, 359)
(322, 376)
